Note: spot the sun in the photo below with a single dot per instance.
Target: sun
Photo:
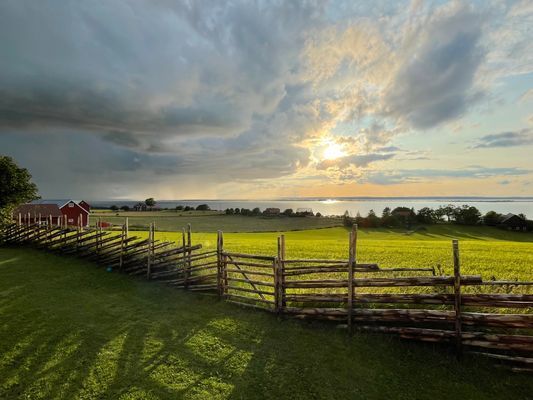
(332, 151)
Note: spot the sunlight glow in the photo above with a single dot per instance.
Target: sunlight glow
(333, 151)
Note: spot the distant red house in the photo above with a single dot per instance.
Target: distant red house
(74, 209)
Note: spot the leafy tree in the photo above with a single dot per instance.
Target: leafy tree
(15, 188)
(467, 215)
(114, 207)
(203, 207)
(229, 211)
(237, 210)
(318, 214)
(372, 220)
(125, 208)
(150, 203)
(492, 218)
(448, 211)
(387, 219)
(288, 212)
(179, 208)
(426, 215)
(188, 208)
(256, 211)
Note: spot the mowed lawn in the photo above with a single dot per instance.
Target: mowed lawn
(487, 251)
(70, 330)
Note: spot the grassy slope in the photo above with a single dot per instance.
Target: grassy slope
(486, 251)
(69, 330)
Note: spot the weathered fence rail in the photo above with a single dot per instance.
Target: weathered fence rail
(359, 296)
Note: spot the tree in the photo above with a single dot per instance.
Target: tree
(125, 208)
(15, 188)
(288, 212)
(179, 208)
(372, 220)
(467, 215)
(426, 215)
(229, 211)
(318, 214)
(448, 211)
(114, 207)
(256, 211)
(492, 218)
(150, 203)
(203, 207)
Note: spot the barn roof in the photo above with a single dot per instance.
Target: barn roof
(35, 209)
(507, 217)
(61, 202)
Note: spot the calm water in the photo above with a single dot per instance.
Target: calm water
(353, 205)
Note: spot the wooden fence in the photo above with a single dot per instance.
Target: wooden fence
(463, 310)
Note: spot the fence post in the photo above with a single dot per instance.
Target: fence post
(351, 270)
(282, 257)
(457, 297)
(220, 249)
(122, 242)
(126, 227)
(189, 244)
(149, 253)
(184, 258)
(279, 276)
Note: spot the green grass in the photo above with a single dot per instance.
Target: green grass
(211, 221)
(487, 251)
(69, 330)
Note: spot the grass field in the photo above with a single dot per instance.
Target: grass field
(69, 330)
(211, 221)
(487, 251)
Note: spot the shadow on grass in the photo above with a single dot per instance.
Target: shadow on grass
(450, 231)
(69, 330)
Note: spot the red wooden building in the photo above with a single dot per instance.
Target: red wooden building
(30, 213)
(74, 209)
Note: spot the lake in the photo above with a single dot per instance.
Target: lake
(353, 205)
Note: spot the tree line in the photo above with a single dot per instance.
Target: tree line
(407, 217)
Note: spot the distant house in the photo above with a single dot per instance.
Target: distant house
(272, 211)
(513, 222)
(30, 213)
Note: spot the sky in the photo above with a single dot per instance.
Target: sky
(255, 99)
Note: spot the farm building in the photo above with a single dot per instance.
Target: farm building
(513, 222)
(72, 209)
(30, 213)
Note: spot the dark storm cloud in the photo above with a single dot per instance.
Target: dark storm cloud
(523, 137)
(434, 84)
(146, 71)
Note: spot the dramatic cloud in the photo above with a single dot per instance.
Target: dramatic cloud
(178, 98)
(143, 73)
(506, 139)
(435, 82)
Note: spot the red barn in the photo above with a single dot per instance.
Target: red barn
(73, 209)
